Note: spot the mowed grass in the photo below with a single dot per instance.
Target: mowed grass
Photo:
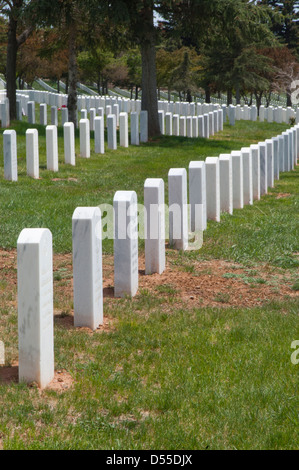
(164, 375)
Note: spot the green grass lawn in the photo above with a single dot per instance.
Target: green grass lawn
(164, 373)
(51, 201)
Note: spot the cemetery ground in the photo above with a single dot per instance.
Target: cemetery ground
(201, 357)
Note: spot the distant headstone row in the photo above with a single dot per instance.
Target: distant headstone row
(216, 185)
(138, 134)
(114, 105)
(117, 134)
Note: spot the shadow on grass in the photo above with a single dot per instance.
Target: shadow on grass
(179, 142)
(9, 375)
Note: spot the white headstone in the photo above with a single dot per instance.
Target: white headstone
(32, 153)
(99, 135)
(134, 128)
(10, 155)
(256, 175)
(4, 113)
(178, 208)
(232, 115)
(195, 126)
(213, 188)
(168, 123)
(111, 131)
(206, 126)
(216, 124)
(52, 148)
(125, 244)
(31, 112)
(247, 176)
(54, 116)
(237, 165)
(115, 111)
(263, 168)
(197, 196)
(35, 307)
(161, 121)
(183, 129)
(69, 143)
(92, 115)
(154, 205)
(64, 116)
(43, 118)
(123, 130)
(83, 114)
(201, 128)
(226, 183)
(280, 153)
(87, 267)
(211, 124)
(189, 126)
(176, 125)
(270, 163)
(84, 138)
(276, 157)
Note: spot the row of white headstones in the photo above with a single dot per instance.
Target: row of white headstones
(197, 126)
(216, 185)
(32, 142)
(272, 113)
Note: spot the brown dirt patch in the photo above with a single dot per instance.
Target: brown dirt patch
(65, 179)
(195, 283)
(220, 283)
(282, 195)
(62, 380)
(184, 284)
(9, 375)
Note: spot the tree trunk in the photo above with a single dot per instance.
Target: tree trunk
(289, 98)
(238, 95)
(99, 84)
(268, 99)
(229, 97)
(208, 95)
(258, 98)
(67, 85)
(72, 94)
(136, 92)
(149, 101)
(11, 67)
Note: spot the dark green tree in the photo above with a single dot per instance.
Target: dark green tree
(285, 25)
(20, 26)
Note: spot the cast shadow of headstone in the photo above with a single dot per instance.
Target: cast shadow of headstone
(9, 375)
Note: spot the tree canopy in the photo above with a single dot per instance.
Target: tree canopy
(241, 47)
